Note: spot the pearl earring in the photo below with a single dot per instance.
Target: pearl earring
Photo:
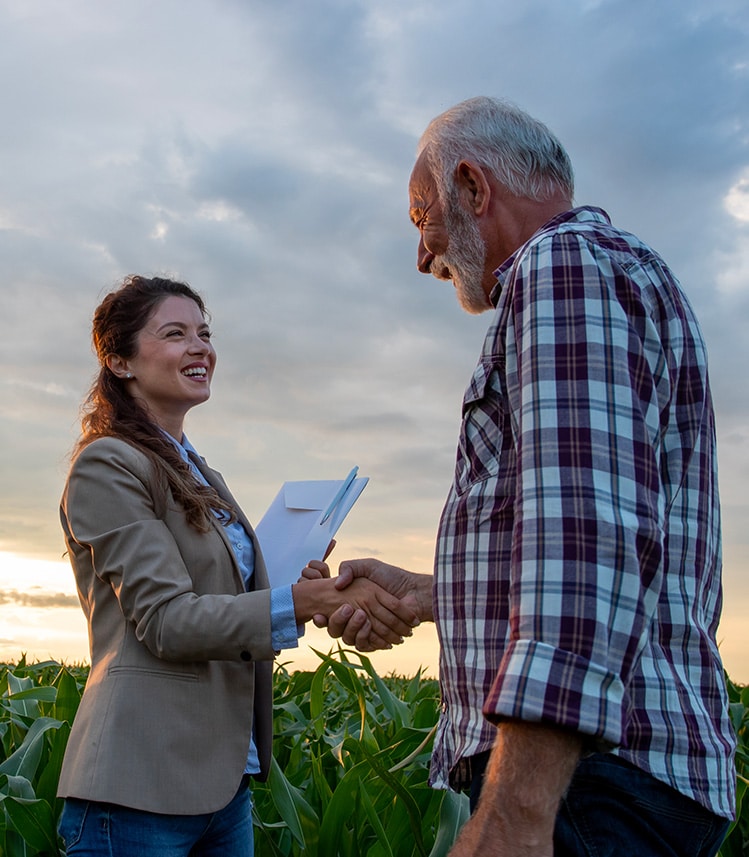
(129, 375)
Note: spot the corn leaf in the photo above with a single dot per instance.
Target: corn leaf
(25, 760)
(298, 815)
(34, 821)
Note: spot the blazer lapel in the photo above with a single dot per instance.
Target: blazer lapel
(216, 481)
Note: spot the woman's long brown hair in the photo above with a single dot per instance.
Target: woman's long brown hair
(110, 411)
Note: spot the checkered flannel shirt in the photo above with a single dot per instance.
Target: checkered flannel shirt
(577, 568)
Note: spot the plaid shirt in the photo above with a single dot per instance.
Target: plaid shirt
(577, 568)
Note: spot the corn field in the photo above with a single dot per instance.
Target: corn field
(349, 776)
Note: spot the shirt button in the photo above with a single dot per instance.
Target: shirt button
(246, 656)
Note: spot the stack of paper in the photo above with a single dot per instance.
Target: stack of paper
(301, 522)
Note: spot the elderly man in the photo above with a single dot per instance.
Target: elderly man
(576, 586)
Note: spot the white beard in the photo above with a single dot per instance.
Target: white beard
(464, 259)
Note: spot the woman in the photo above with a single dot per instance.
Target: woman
(182, 625)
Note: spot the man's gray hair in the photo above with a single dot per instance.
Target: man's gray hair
(521, 152)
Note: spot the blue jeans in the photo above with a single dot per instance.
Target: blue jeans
(613, 809)
(92, 829)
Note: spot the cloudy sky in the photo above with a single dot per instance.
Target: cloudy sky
(261, 152)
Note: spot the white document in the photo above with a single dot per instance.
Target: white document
(301, 521)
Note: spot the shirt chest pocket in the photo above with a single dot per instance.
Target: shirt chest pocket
(484, 432)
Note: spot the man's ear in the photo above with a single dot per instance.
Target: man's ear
(118, 366)
(474, 187)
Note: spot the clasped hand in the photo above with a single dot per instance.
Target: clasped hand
(379, 605)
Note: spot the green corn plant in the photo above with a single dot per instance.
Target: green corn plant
(736, 843)
(351, 762)
(37, 705)
(349, 777)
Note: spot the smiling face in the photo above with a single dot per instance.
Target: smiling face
(173, 364)
(450, 243)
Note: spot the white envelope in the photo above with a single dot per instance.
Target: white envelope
(292, 531)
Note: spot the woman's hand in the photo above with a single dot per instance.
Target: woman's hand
(315, 570)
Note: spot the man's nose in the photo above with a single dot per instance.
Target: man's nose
(424, 258)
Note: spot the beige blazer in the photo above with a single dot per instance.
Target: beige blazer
(180, 653)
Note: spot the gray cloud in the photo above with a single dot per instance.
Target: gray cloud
(43, 600)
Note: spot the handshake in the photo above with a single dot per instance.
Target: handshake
(371, 605)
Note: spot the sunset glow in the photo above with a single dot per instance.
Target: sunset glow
(263, 156)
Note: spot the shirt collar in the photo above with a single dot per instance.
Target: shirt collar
(183, 447)
(583, 214)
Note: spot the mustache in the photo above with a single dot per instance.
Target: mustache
(440, 268)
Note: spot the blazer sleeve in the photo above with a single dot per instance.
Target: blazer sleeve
(180, 589)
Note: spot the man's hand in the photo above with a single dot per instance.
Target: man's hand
(413, 590)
